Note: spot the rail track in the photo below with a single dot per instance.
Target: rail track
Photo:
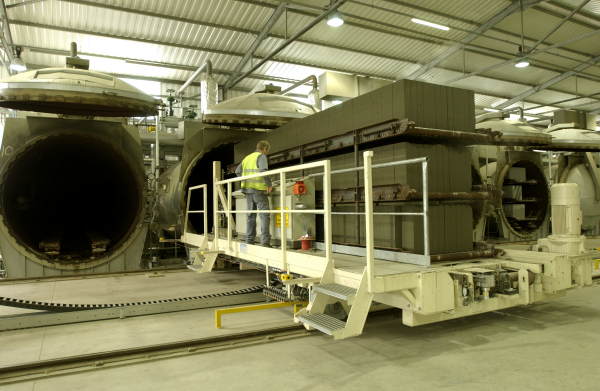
(94, 361)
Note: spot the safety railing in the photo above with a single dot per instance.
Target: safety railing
(369, 213)
(203, 211)
(222, 197)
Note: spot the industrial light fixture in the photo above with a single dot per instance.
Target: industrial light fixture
(430, 24)
(335, 19)
(523, 61)
(17, 63)
(490, 110)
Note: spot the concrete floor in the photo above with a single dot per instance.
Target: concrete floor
(548, 346)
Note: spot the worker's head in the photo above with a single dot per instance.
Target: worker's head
(263, 146)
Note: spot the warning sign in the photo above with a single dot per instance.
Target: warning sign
(278, 218)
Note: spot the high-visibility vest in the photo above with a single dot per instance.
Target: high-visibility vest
(249, 167)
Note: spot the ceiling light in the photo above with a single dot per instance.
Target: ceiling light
(17, 64)
(335, 19)
(430, 24)
(522, 60)
(490, 110)
(522, 63)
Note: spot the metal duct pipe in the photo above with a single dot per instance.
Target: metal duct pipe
(207, 66)
(311, 78)
(489, 253)
(315, 91)
(209, 92)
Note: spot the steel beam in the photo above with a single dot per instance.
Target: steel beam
(306, 11)
(303, 11)
(208, 49)
(548, 83)
(514, 7)
(211, 50)
(7, 41)
(495, 29)
(585, 20)
(591, 96)
(537, 51)
(26, 2)
(257, 41)
(416, 35)
(182, 67)
(559, 25)
(408, 33)
(332, 8)
(216, 71)
(571, 107)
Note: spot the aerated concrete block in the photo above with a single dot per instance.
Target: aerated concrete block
(428, 105)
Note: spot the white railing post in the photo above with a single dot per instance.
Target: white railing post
(327, 213)
(282, 230)
(369, 239)
(425, 210)
(229, 217)
(205, 208)
(187, 212)
(216, 178)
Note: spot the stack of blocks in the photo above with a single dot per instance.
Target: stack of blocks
(429, 106)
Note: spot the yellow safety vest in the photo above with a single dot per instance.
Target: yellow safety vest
(249, 167)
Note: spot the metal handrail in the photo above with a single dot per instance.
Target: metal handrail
(326, 211)
(369, 230)
(369, 213)
(276, 171)
(203, 211)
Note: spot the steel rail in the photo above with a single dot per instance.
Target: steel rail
(29, 280)
(63, 365)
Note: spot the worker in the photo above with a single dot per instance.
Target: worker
(256, 190)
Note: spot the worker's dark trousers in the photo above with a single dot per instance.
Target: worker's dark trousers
(258, 200)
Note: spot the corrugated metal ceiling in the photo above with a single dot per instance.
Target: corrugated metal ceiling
(378, 40)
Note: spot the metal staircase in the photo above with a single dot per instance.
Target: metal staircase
(204, 261)
(357, 300)
(341, 292)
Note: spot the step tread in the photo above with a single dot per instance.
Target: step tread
(195, 267)
(336, 290)
(325, 323)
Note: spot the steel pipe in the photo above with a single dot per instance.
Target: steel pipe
(207, 66)
(312, 79)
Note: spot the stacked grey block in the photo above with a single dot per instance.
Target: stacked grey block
(429, 106)
(451, 226)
